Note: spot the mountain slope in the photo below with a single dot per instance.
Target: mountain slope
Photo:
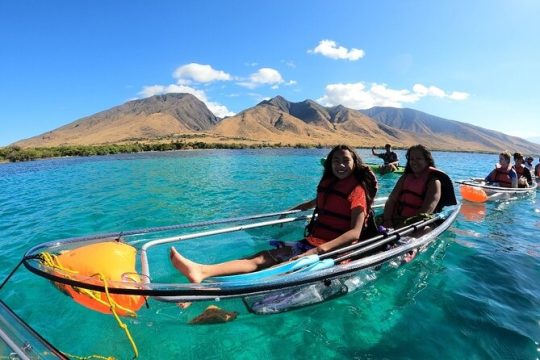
(306, 122)
(276, 121)
(150, 118)
(448, 131)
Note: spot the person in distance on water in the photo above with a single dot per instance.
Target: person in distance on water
(344, 197)
(529, 163)
(422, 189)
(523, 173)
(537, 169)
(504, 174)
(390, 158)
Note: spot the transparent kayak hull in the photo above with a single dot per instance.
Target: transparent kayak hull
(276, 293)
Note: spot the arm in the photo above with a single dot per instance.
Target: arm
(305, 205)
(433, 195)
(489, 177)
(514, 178)
(374, 153)
(528, 176)
(357, 222)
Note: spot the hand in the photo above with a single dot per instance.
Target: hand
(314, 251)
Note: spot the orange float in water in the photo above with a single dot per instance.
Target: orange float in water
(473, 193)
(113, 260)
(473, 211)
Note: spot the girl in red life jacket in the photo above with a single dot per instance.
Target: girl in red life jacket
(417, 191)
(503, 175)
(344, 196)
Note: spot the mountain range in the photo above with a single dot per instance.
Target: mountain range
(276, 121)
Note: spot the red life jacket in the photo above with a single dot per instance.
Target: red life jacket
(413, 193)
(502, 176)
(333, 209)
(414, 189)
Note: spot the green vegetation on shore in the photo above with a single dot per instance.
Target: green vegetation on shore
(16, 153)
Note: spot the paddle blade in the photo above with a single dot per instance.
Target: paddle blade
(473, 193)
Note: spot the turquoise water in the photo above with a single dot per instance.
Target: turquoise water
(474, 294)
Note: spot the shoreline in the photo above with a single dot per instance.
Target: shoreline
(18, 154)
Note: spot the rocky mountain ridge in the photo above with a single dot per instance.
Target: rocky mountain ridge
(276, 121)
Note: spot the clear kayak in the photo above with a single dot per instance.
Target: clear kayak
(477, 190)
(128, 269)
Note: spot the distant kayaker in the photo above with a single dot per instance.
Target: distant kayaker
(390, 158)
(537, 169)
(504, 174)
(422, 189)
(523, 173)
(529, 163)
(344, 197)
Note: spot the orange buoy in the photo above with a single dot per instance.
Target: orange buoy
(114, 261)
(473, 193)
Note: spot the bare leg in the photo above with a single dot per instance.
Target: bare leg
(196, 272)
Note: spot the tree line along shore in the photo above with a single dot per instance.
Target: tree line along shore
(16, 153)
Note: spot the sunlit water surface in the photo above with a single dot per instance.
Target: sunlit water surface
(474, 294)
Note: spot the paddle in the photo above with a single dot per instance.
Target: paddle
(317, 262)
(327, 261)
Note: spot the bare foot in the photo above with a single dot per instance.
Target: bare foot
(190, 269)
(408, 257)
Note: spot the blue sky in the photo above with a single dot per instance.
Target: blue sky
(472, 61)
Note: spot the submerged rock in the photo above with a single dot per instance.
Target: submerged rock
(214, 315)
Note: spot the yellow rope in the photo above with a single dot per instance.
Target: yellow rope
(120, 323)
(94, 294)
(89, 357)
(51, 260)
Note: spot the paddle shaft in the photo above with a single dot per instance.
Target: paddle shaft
(375, 245)
(368, 242)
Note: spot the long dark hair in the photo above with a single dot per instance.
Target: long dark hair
(425, 152)
(363, 174)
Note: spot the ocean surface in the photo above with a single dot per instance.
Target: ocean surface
(474, 294)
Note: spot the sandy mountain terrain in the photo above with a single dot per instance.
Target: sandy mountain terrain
(275, 122)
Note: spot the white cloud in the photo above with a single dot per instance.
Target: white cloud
(263, 76)
(437, 92)
(188, 73)
(329, 48)
(216, 108)
(458, 95)
(358, 96)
